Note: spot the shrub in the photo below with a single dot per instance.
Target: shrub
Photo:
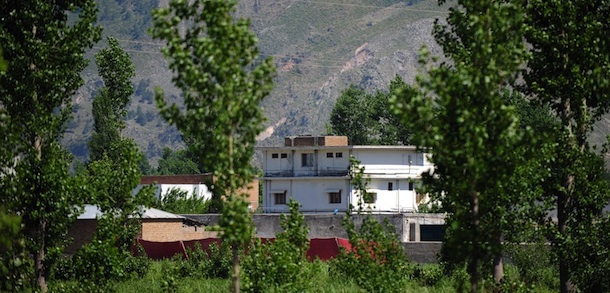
(280, 265)
(377, 261)
(215, 263)
(535, 263)
(428, 275)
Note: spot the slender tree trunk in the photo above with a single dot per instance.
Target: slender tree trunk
(41, 281)
(565, 285)
(498, 270)
(40, 269)
(473, 265)
(498, 265)
(563, 198)
(235, 277)
(235, 246)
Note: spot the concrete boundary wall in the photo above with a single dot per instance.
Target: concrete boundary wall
(406, 226)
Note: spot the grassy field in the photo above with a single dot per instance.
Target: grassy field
(158, 280)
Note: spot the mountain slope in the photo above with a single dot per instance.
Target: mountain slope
(319, 48)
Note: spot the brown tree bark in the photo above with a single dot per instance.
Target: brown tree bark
(41, 281)
(235, 278)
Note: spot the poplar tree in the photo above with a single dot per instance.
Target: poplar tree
(214, 58)
(461, 116)
(569, 72)
(44, 52)
(109, 105)
(112, 172)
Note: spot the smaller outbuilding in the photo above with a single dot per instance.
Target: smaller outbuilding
(197, 185)
(156, 225)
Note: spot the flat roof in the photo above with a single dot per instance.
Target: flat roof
(349, 147)
(93, 212)
(176, 179)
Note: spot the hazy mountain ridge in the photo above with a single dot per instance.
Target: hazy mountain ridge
(319, 48)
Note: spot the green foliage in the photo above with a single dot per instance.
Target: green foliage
(574, 83)
(222, 91)
(463, 117)
(366, 119)
(536, 264)
(45, 59)
(177, 162)
(117, 70)
(280, 265)
(178, 202)
(112, 174)
(145, 167)
(128, 19)
(589, 256)
(103, 263)
(215, 263)
(428, 275)
(15, 265)
(3, 65)
(169, 278)
(377, 261)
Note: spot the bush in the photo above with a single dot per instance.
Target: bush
(428, 275)
(101, 265)
(535, 263)
(377, 262)
(216, 263)
(280, 265)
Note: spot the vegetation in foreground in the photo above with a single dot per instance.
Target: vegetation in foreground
(171, 276)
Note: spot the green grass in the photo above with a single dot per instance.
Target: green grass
(322, 281)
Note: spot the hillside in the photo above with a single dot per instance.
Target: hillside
(319, 48)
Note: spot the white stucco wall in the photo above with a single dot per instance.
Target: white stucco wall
(199, 190)
(311, 194)
(310, 185)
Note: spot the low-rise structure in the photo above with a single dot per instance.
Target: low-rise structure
(315, 171)
(194, 185)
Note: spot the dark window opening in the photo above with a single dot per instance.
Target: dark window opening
(334, 197)
(279, 198)
(307, 160)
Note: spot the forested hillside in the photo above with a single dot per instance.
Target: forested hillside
(319, 49)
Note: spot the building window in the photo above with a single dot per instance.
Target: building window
(339, 155)
(284, 156)
(329, 155)
(307, 160)
(274, 156)
(370, 197)
(390, 186)
(411, 186)
(334, 197)
(279, 198)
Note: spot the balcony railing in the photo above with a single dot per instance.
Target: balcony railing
(306, 173)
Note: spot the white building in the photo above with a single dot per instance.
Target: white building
(193, 184)
(315, 172)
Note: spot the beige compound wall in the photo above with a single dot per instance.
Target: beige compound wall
(163, 231)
